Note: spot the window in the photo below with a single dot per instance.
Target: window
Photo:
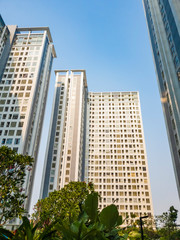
(11, 133)
(18, 133)
(20, 124)
(22, 116)
(13, 124)
(2, 124)
(9, 141)
(24, 109)
(16, 109)
(28, 87)
(15, 116)
(17, 141)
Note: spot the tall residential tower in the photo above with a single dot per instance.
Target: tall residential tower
(163, 20)
(98, 137)
(66, 142)
(116, 160)
(26, 62)
(4, 35)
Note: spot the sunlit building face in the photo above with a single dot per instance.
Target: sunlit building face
(26, 59)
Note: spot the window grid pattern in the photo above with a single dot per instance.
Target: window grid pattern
(68, 143)
(115, 152)
(16, 87)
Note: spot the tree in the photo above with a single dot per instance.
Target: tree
(75, 215)
(167, 223)
(62, 204)
(13, 168)
(89, 224)
(92, 224)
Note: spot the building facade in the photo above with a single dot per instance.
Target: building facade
(4, 35)
(27, 59)
(163, 20)
(98, 137)
(116, 160)
(66, 149)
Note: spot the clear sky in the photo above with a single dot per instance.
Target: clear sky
(109, 39)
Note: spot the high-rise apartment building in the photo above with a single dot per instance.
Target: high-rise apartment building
(163, 20)
(4, 34)
(116, 160)
(26, 65)
(98, 137)
(66, 149)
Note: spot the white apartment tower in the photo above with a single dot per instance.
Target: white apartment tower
(116, 160)
(66, 150)
(24, 84)
(98, 137)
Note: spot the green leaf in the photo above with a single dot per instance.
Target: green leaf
(134, 234)
(83, 217)
(109, 216)
(64, 231)
(47, 232)
(125, 236)
(119, 220)
(75, 227)
(91, 206)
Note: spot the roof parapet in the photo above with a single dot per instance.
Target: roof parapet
(76, 70)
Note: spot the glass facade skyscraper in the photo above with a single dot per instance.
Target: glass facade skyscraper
(163, 20)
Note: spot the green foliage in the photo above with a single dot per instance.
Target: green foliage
(63, 205)
(27, 231)
(72, 214)
(12, 177)
(88, 224)
(166, 223)
(92, 224)
(134, 235)
(150, 233)
(91, 206)
(167, 219)
(109, 216)
(166, 228)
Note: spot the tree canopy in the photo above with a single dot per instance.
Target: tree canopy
(62, 204)
(13, 168)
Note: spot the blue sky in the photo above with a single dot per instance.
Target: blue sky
(109, 39)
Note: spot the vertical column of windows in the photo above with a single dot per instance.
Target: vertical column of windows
(56, 146)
